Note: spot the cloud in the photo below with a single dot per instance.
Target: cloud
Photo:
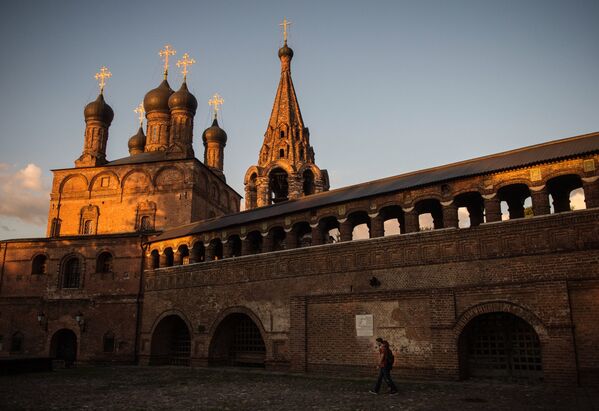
(23, 194)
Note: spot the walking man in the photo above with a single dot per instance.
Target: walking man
(384, 366)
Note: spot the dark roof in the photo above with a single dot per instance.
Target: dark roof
(521, 157)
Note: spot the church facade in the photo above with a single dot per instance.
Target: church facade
(148, 259)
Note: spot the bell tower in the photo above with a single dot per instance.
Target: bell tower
(286, 168)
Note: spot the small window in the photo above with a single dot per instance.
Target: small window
(145, 225)
(301, 154)
(104, 263)
(16, 343)
(104, 181)
(281, 153)
(108, 342)
(71, 273)
(87, 227)
(282, 134)
(38, 265)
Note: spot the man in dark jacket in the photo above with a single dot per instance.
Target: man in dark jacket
(384, 366)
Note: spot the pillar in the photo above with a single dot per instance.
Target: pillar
(209, 251)
(591, 192)
(268, 242)
(450, 215)
(515, 207)
(194, 255)
(540, 202)
(178, 258)
(316, 235)
(163, 261)
(492, 208)
(291, 239)
(245, 246)
(345, 230)
(377, 226)
(411, 220)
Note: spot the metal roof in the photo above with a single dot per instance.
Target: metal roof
(521, 157)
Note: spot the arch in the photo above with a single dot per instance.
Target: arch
(513, 197)
(278, 185)
(393, 218)
(112, 184)
(39, 264)
(471, 209)
(430, 206)
(277, 238)
(328, 228)
(360, 224)
(303, 234)
(312, 167)
(253, 171)
(282, 164)
(104, 262)
(155, 255)
(169, 177)
(254, 239)
(237, 337)
(308, 186)
(169, 257)
(560, 189)
(197, 254)
(71, 271)
(215, 249)
(499, 345)
(136, 180)
(171, 340)
(233, 246)
(74, 183)
(63, 346)
(182, 254)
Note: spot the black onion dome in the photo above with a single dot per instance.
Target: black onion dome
(137, 142)
(157, 99)
(98, 110)
(286, 51)
(214, 133)
(183, 99)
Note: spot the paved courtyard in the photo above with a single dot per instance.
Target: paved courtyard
(159, 388)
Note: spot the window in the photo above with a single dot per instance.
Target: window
(145, 224)
(71, 273)
(104, 263)
(38, 265)
(104, 181)
(16, 343)
(108, 342)
(282, 153)
(282, 134)
(87, 227)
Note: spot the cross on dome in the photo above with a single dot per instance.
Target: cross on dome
(140, 112)
(165, 53)
(216, 101)
(184, 63)
(284, 24)
(102, 76)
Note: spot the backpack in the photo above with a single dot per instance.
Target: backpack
(390, 358)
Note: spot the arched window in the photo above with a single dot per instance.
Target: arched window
(71, 273)
(281, 153)
(145, 224)
(104, 263)
(108, 342)
(38, 265)
(279, 186)
(17, 342)
(87, 227)
(308, 182)
(155, 259)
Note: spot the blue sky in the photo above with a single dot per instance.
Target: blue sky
(385, 87)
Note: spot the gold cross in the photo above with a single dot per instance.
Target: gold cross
(284, 24)
(140, 111)
(184, 62)
(216, 101)
(102, 76)
(165, 53)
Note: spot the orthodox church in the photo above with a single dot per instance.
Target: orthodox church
(148, 259)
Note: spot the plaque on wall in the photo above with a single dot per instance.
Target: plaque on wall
(364, 325)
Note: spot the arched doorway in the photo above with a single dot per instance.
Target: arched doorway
(171, 342)
(64, 346)
(502, 346)
(238, 341)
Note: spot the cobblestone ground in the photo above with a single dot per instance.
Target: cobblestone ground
(160, 388)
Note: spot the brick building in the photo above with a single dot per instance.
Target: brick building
(483, 268)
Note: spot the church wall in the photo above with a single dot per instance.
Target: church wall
(431, 284)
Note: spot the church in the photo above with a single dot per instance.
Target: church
(148, 259)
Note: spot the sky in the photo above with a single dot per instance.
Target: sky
(386, 87)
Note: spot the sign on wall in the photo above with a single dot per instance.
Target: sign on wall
(364, 325)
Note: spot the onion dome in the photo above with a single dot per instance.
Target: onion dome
(183, 99)
(137, 142)
(286, 51)
(98, 110)
(157, 99)
(214, 134)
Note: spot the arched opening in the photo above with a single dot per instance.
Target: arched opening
(216, 249)
(303, 234)
(71, 273)
(254, 240)
(252, 192)
(278, 238)
(234, 245)
(183, 254)
(430, 214)
(155, 259)
(198, 253)
(308, 178)
(515, 201)
(169, 256)
(471, 209)
(502, 346)
(104, 263)
(39, 264)
(566, 193)
(393, 220)
(171, 342)
(360, 222)
(329, 230)
(279, 185)
(63, 346)
(238, 341)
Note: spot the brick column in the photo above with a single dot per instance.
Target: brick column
(209, 252)
(591, 192)
(377, 226)
(298, 330)
(162, 261)
(492, 208)
(268, 242)
(316, 235)
(148, 261)
(411, 220)
(178, 258)
(245, 246)
(345, 230)
(450, 215)
(291, 240)
(227, 249)
(540, 201)
(194, 255)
